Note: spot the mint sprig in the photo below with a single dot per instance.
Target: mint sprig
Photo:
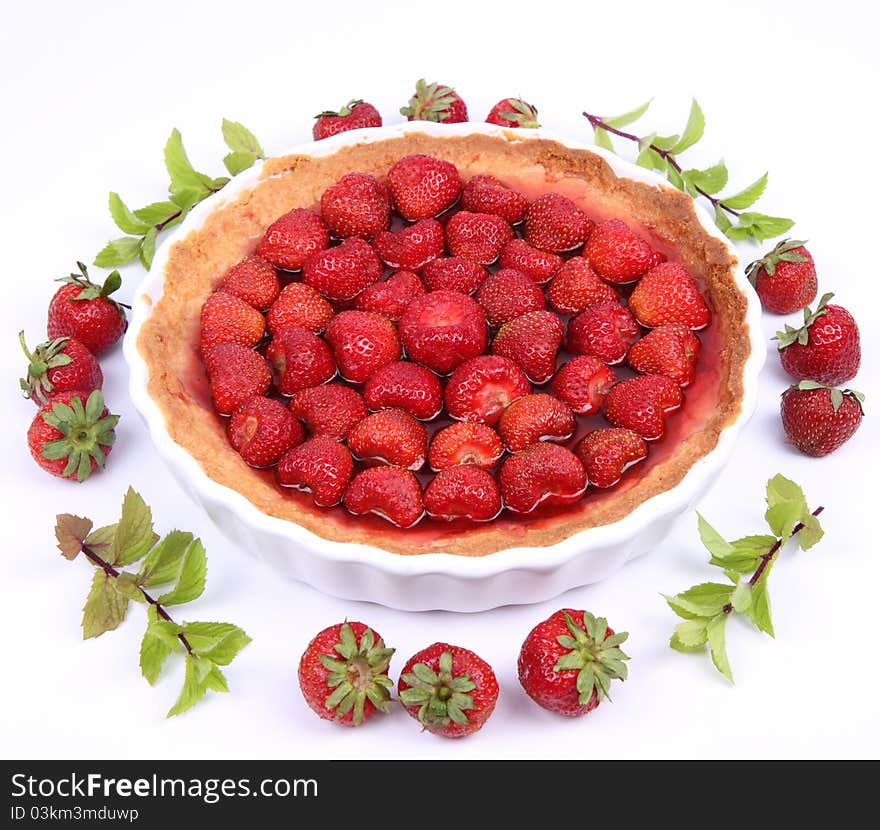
(178, 560)
(706, 607)
(187, 188)
(660, 153)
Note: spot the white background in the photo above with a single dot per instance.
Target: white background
(89, 93)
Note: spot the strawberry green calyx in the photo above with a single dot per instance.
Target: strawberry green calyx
(440, 696)
(837, 395)
(46, 356)
(361, 674)
(93, 291)
(523, 113)
(430, 103)
(344, 111)
(84, 429)
(783, 252)
(792, 335)
(596, 657)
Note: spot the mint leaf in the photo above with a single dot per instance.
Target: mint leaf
(153, 653)
(764, 227)
(71, 531)
(759, 610)
(780, 488)
(127, 585)
(601, 138)
(239, 161)
(190, 581)
(701, 601)
(677, 181)
(194, 686)
(747, 197)
(712, 540)
(219, 641)
(741, 598)
(163, 561)
(689, 635)
(148, 248)
(619, 121)
(125, 220)
(722, 220)
(105, 607)
(717, 645)
(693, 131)
(134, 531)
(118, 252)
(156, 213)
(101, 539)
(165, 630)
(240, 139)
(666, 142)
(179, 168)
(711, 180)
(783, 517)
(811, 533)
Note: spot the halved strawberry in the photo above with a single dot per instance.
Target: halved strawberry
(453, 273)
(320, 466)
(253, 280)
(392, 296)
(508, 294)
(486, 194)
(641, 403)
(576, 287)
(357, 205)
(341, 273)
(291, 239)
(542, 474)
(668, 294)
(405, 385)
(531, 341)
(534, 418)
(465, 443)
(235, 373)
(617, 255)
(389, 492)
(413, 246)
(328, 411)
(606, 453)
(554, 223)
(605, 330)
(481, 389)
(391, 436)
(362, 342)
(299, 305)
(478, 237)
(227, 319)
(582, 384)
(299, 359)
(442, 329)
(262, 430)
(463, 493)
(537, 264)
(423, 186)
(670, 350)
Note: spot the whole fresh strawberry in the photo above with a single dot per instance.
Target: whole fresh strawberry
(320, 466)
(390, 436)
(253, 280)
(435, 102)
(576, 287)
(465, 443)
(463, 492)
(481, 389)
(670, 350)
(531, 341)
(235, 373)
(72, 434)
(299, 359)
(818, 419)
(391, 297)
(443, 329)
(554, 223)
(60, 365)
(343, 674)
(508, 294)
(362, 343)
(300, 305)
(412, 247)
(329, 410)
(406, 386)
(83, 310)
(567, 662)
(423, 186)
(341, 273)
(227, 319)
(617, 255)
(357, 205)
(535, 263)
(448, 689)
(478, 237)
(291, 239)
(354, 115)
(534, 418)
(513, 112)
(262, 430)
(785, 278)
(486, 194)
(582, 384)
(641, 404)
(542, 473)
(668, 294)
(605, 330)
(827, 348)
(391, 493)
(453, 273)
(606, 453)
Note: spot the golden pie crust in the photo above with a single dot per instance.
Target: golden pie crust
(168, 340)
